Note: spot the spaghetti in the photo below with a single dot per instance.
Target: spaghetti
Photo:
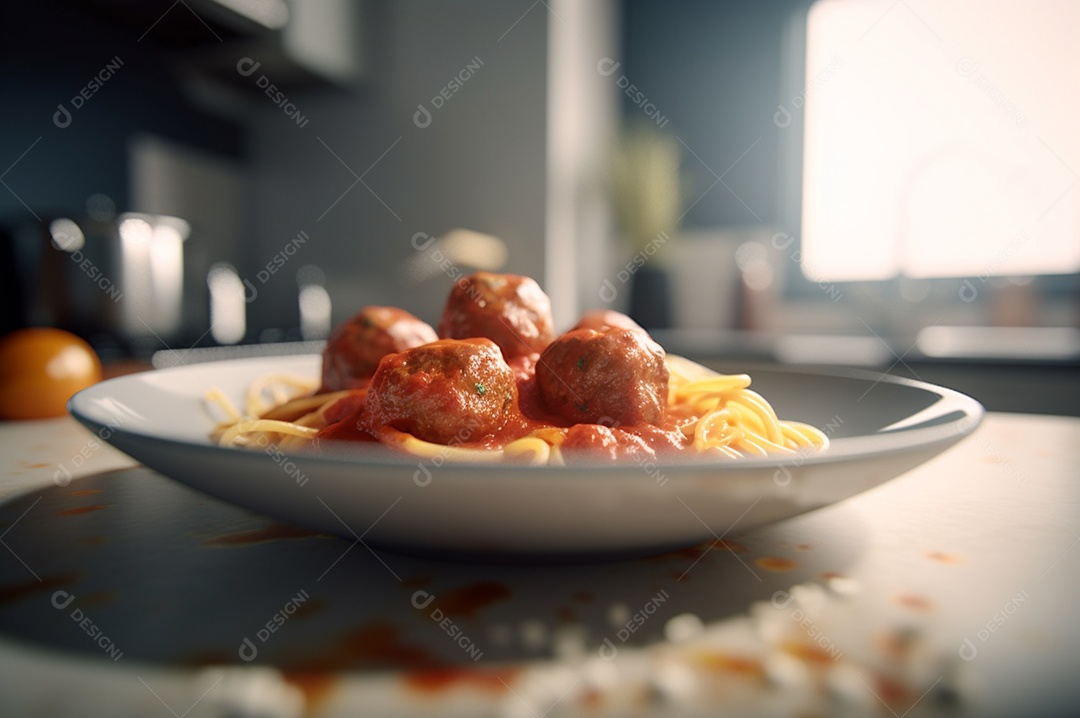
(718, 415)
(496, 384)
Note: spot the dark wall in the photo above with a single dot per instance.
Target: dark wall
(713, 69)
(52, 49)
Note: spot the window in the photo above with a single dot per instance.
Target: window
(940, 139)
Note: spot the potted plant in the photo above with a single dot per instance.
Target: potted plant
(647, 195)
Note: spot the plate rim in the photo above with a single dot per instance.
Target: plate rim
(842, 449)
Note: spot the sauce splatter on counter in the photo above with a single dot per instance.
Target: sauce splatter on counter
(729, 663)
(437, 680)
(775, 563)
(82, 510)
(17, 591)
(467, 601)
(275, 532)
(915, 602)
(316, 687)
(809, 653)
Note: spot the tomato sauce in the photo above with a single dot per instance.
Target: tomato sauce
(526, 416)
(497, 372)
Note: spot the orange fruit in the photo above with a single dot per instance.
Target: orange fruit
(40, 369)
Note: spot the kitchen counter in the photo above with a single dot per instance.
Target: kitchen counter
(1021, 374)
(947, 591)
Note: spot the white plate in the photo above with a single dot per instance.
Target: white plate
(880, 427)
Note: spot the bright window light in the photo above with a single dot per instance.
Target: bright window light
(940, 139)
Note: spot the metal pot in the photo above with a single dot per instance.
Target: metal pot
(123, 278)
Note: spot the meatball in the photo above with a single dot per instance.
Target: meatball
(616, 378)
(449, 391)
(594, 441)
(604, 319)
(354, 349)
(509, 309)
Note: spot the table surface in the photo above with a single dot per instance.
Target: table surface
(947, 591)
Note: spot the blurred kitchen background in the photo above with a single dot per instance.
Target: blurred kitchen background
(890, 184)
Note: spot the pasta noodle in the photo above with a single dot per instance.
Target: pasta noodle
(719, 415)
